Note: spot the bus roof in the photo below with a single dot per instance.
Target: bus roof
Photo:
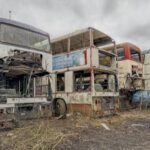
(96, 34)
(129, 44)
(125, 44)
(22, 25)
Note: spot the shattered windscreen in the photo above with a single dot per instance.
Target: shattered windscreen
(21, 37)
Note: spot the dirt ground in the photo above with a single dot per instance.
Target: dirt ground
(126, 131)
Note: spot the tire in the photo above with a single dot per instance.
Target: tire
(60, 108)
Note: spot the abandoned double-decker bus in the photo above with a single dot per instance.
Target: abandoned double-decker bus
(130, 66)
(25, 57)
(130, 70)
(84, 75)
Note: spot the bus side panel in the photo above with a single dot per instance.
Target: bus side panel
(88, 105)
(77, 102)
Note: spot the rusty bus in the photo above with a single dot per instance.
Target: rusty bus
(130, 70)
(84, 75)
(25, 57)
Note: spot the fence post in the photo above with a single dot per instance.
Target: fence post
(141, 103)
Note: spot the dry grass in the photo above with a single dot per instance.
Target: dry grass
(119, 118)
(38, 136)
(48, 134)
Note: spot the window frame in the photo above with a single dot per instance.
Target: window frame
(74, 84)
(29, 32)
(56, 88)
(139, 54)
(123, 53)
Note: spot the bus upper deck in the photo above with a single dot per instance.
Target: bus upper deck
(83, 48)
(25, 46)
(128, 51)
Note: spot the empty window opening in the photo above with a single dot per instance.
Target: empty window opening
(120, 53)
(60, 82)
(105, 82)
(105, 60)
(82, 81)
(135, 55)
(25, 109)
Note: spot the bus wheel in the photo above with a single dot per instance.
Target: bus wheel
(60, 108)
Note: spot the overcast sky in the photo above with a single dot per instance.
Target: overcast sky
(124, 20)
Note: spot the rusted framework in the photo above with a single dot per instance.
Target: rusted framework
(84, 73)
(25, 56)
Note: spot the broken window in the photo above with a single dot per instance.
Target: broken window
(135, 55)
(41, 85)
(105, 82)
(18, 86)
(22, 37)
(60, 82)
(101, 41)
(101, 82)
(73, 43)
(25, 108)
(120, 53)
(105, 60)
(82, 81)
(60, 47)
(79, 41)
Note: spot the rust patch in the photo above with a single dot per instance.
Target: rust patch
(82, 108)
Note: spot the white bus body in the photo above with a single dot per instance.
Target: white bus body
(85, 74)
(25, 57)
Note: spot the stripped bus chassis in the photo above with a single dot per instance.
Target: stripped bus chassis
(25, 60)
